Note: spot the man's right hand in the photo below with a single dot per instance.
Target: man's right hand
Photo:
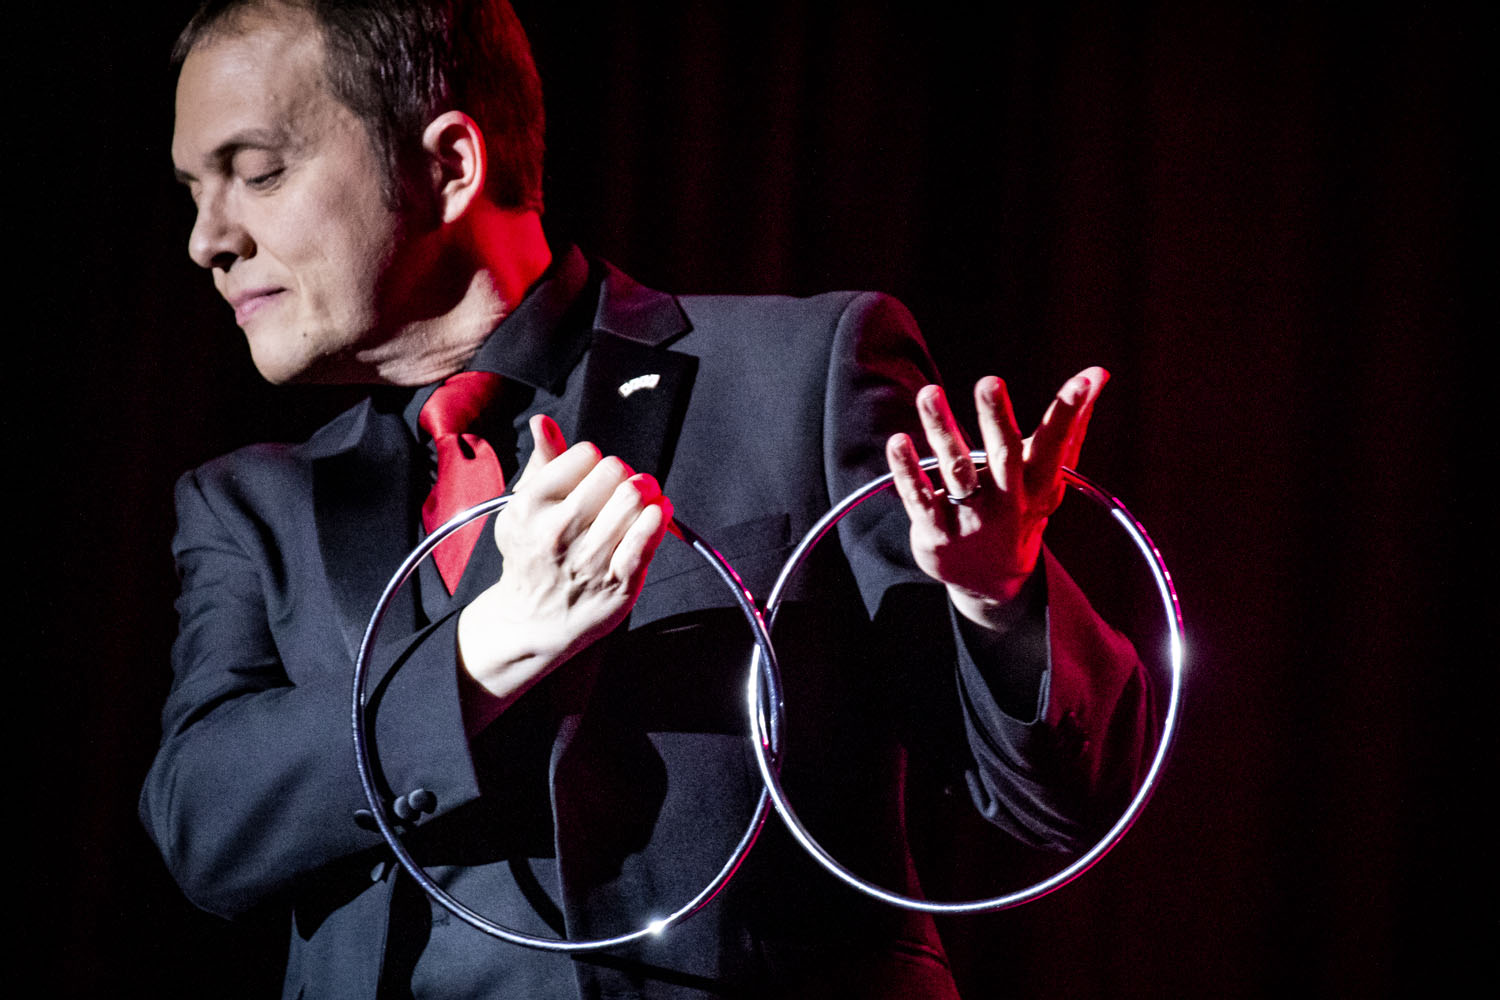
(577, 538)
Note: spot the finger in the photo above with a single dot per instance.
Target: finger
(625, 503)
(556, 480)
(632, 557)
(548, 437)
(547, 444)
(912, 484)
(1003, 445)
(1045, 450)
(581, 507)
(1097, 379)
(947, 442)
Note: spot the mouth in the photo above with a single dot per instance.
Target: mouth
(247, 303)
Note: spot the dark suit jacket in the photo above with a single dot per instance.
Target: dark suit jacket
(767, 410)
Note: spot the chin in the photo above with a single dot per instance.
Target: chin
(276, 375)
(307, 354)
(280, 369)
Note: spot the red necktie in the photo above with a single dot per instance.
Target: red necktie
(467, 470)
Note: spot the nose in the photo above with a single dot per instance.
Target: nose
(218, 238)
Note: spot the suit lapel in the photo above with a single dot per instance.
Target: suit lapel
(632, 394)
(633, 400)
(361, 503)
(635, 391)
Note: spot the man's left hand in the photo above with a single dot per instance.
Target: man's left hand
(980, 532)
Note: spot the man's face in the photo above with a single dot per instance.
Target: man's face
(292, 214)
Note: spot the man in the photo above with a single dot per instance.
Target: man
(367, 183)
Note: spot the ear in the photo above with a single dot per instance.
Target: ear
(456, 156)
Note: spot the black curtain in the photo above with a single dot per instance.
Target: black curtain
(1262, 219)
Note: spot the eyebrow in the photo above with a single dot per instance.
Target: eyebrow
(254, 138)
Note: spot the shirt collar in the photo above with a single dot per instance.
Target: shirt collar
(540, 341)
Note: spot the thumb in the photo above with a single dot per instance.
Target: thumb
(548, 443)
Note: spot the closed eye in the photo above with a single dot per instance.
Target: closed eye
(261, 182)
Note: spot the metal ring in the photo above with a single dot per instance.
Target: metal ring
(765, 668)
(962, 501)
(655, 926)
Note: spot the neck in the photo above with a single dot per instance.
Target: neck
(476, 278)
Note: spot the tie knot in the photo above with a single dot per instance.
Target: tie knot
(457, 403)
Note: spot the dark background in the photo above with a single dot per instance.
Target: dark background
(1258, 219)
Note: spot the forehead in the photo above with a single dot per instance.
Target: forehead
(260, 75)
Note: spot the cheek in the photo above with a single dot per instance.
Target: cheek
(369, 232)
(339, 244)
(344, 260)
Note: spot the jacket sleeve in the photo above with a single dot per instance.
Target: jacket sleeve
(254, 785)
(1056, 714)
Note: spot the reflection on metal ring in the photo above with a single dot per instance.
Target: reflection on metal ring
(652, 927)
(767, 671)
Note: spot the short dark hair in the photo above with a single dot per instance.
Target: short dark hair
(397, 64)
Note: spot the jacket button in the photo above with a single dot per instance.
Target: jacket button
(422, 800)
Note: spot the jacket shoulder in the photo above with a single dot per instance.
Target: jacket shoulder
(816, 333)
(638, 312)
(258, 480)
(270, 458)
(829, 310)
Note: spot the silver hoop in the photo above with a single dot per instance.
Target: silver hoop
(379, 809)
(770, 672)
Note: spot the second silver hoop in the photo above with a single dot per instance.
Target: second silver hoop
(764, 670)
